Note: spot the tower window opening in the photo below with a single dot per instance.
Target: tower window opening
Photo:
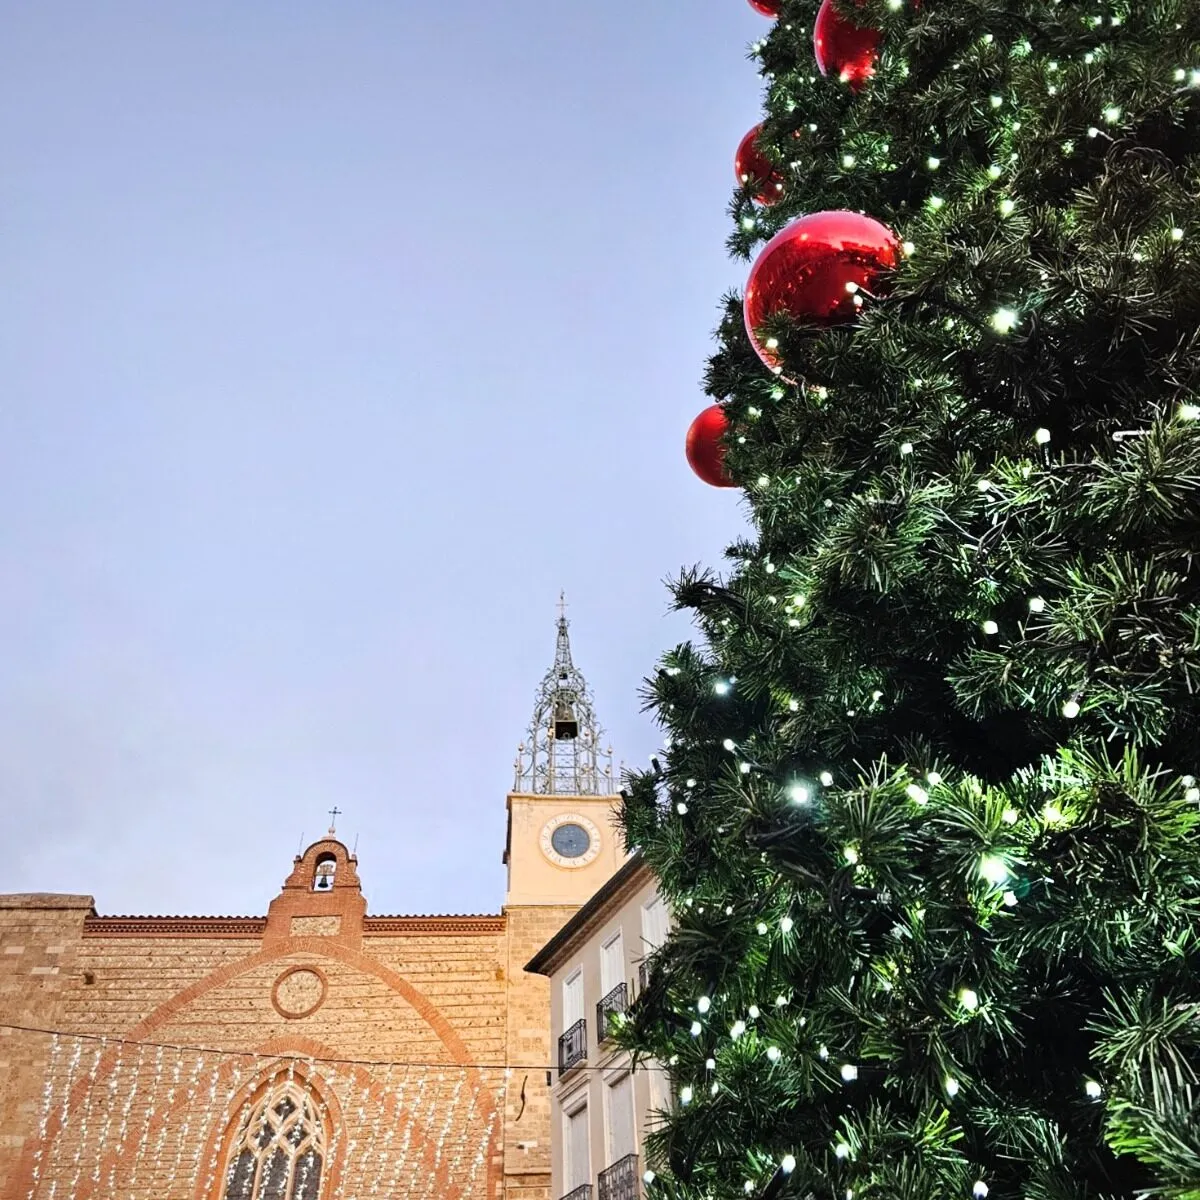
(324, 873)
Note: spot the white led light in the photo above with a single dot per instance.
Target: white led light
(996, 101)
(1052, 814)
(850, 854)
(849, 1072)
(703, 1005)
(1009, 816)
(748, 223)
(685, 1096)
(787, 1164)
(729, 744)
(990, 627)
(1192, 795)
(826, 779)
(710, 1063)
(1007, 206)
(1042, 436)
(1070, 710)
(755, 1012)
(951, 1086)
(681, 809)
(780, 1001)
(917, 793)
(909, 249)
(994, 171)
(1003, 320)
(906, 447)
(1112, 114)
(993, 869)
(1037, 604)
(1190, 412)
(936, 202)
(848, 160)
(1010, 899)
(1093, 1090)
(980, 1190)
(737, 1029)
(1177, 234)
(762, 927)
(773, 1053)
(748, 1186)
(648, 1177)
(842, 1150)
(721, 687)
(786, 924)
(744, 768)
(798, 793)
(933, 162)
(933, 777)
(697, 1029)
(968, 999)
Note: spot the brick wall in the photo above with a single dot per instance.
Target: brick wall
(40, 937)
(527, 1136)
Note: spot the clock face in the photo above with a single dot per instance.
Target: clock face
(571, 841)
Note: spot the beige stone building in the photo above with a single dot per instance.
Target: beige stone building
(600, 1107)
(318, 1052)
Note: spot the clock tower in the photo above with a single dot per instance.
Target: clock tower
(563, 844)
(563, 839)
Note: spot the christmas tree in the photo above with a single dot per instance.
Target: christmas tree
(926, 814)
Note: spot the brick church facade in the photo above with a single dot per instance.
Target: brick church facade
(317, 1052)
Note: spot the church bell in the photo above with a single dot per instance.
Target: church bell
(565, 724)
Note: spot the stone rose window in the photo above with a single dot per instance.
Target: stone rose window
(278, 1147)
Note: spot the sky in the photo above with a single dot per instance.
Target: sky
(335, 340)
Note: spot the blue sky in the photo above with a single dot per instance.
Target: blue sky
(335, 339)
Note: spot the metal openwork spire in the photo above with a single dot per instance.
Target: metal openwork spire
(562, 756)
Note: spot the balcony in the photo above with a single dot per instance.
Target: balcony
(582, 1192)
(572, 1050)
(617, 1001)
(621, 1180)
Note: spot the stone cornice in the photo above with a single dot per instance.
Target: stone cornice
(253, 927)
(447, 924)
(209, 927)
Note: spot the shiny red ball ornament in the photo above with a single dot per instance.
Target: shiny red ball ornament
(815, 269)
(706, 447)
(755, 170)
(842, 48)
(768, 8)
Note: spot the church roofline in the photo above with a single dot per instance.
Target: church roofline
(253, 927)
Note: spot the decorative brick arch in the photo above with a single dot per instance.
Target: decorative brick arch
(456, 1048)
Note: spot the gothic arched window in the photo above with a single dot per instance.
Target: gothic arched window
(278, 1148)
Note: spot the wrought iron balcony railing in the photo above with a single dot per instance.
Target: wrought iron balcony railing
(621, 1181)
(582, 1192)
(572, 1047)
(617, 1001)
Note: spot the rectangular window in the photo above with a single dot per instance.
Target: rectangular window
(612, 963)
(578, 1166)
(654, 925)
(572, 1009)
(621, 1139)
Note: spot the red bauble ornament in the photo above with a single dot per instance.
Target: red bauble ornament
(753, 169)
(768, 8)
(842, 48)
(812, 270)
(706, 449)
